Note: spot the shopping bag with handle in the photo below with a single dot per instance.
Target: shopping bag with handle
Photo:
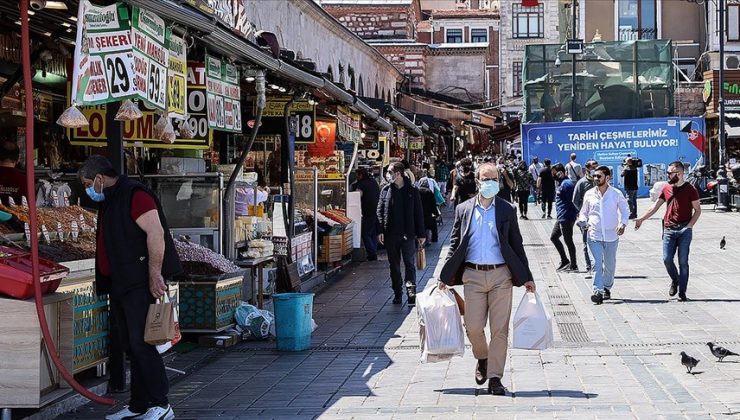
(160, 323)
(532, 324)
(178, 335)
(440, 326)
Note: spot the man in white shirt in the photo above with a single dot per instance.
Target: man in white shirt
(605, 213)
(573, 169)
(535, 169)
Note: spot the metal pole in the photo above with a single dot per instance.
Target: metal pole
(573, 64)
(721, 16)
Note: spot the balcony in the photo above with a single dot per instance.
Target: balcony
(634, 34)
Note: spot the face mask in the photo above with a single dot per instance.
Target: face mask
(94, 195)
(389, 177)
(489, 189)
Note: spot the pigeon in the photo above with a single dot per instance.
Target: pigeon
(688, 361)
(720, 352)
(722, 243)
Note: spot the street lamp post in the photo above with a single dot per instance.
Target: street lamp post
(573, 64)
(723, 196)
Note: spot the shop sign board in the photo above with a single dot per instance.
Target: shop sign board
(656, 141)
(416, 143)
(730, 90)
(176, 78)
(229, 12)
(151, 38)
(305, 112)
(103, 68)
(348, 125)
(141, 132)
(223, 95)
(402, 139)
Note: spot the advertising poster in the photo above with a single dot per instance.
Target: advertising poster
(656, 141)
(274, 113)
(223, 95)
(348, 125)
(176, 78)
(151, 38)
(103, 64)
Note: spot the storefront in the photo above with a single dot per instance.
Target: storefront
(731, 93)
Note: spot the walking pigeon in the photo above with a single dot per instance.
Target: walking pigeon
(722, 243)
(688, 361)
(720, 352)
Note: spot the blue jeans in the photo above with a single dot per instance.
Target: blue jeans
(605, 262)
(673, 240)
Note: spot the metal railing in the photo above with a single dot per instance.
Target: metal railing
(632, 34)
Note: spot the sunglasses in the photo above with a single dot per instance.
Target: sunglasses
(598, 176)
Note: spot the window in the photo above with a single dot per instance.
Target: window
(454, 36)
(529, 22)
(637, 19)
(479, 35)
(733, 22)
(517, 70)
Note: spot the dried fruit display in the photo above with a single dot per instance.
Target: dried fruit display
(338, 216)
(188, 251)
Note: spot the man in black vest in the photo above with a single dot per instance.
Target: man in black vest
(135, 254)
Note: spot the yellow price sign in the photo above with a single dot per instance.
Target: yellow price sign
(177, 95)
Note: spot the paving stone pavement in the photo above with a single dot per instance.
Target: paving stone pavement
(617, 360)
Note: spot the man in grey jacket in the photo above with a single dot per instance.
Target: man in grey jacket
(584, 184)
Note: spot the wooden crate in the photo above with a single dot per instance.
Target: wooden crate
(347, 239)
(209, 306)
(330, 249)
(29, 378)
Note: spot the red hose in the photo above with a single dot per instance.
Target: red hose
(33, 239)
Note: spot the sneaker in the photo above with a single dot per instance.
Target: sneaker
(157, 413)
(549, 217)
(607, 294)
(525, 217)
(124, 414)
(571, 269)
(682, 297)
(597, 298)
(673, 290)
(563, 265)
(411, 300)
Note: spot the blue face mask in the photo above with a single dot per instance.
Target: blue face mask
(489, 189)
(94, 195)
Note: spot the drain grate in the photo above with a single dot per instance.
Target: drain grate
(573, 332)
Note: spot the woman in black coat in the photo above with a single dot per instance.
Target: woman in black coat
(431, 211)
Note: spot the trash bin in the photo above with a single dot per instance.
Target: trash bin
(293, 315)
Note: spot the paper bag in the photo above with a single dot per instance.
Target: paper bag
(178, 335)
(160, 323)
(421, 259)
(532, 324)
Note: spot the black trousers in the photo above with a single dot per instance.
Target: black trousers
(564, 229)
(397, 248)
(546, 202)
(116, 356)
(523, 199)
(149, 383)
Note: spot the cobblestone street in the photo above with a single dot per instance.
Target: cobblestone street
(617, 360)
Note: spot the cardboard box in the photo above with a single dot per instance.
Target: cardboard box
(222, 341)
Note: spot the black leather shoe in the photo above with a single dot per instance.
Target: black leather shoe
(495, 387)
(397, 300)
(571, 269)
(673, 290)
(607, 294)
(563, 265)
(682, 297)
(481, 371)
(597, 298)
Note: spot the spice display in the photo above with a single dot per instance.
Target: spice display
(191, 252)
(50, 216)
(193, 268)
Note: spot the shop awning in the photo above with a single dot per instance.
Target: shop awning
(227, 43)
(732, 128)
(387, 109)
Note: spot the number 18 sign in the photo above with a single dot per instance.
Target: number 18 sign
(151, 38)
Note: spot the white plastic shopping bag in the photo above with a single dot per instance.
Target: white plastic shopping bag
(440, 326)
(532, 324)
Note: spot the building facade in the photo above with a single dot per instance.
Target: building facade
(520, 26)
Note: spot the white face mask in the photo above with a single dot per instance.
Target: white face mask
(389, 176)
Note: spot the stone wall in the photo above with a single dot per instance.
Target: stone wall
(464, 70)
(410, 60)
(374, 22)
(688, 100)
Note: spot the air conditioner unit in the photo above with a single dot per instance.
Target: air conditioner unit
(732, 62)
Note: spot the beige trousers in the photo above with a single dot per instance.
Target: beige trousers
(488, 297)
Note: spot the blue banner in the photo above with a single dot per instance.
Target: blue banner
(656, 141)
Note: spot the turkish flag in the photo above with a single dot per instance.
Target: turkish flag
(530, 3)
(697, 139)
